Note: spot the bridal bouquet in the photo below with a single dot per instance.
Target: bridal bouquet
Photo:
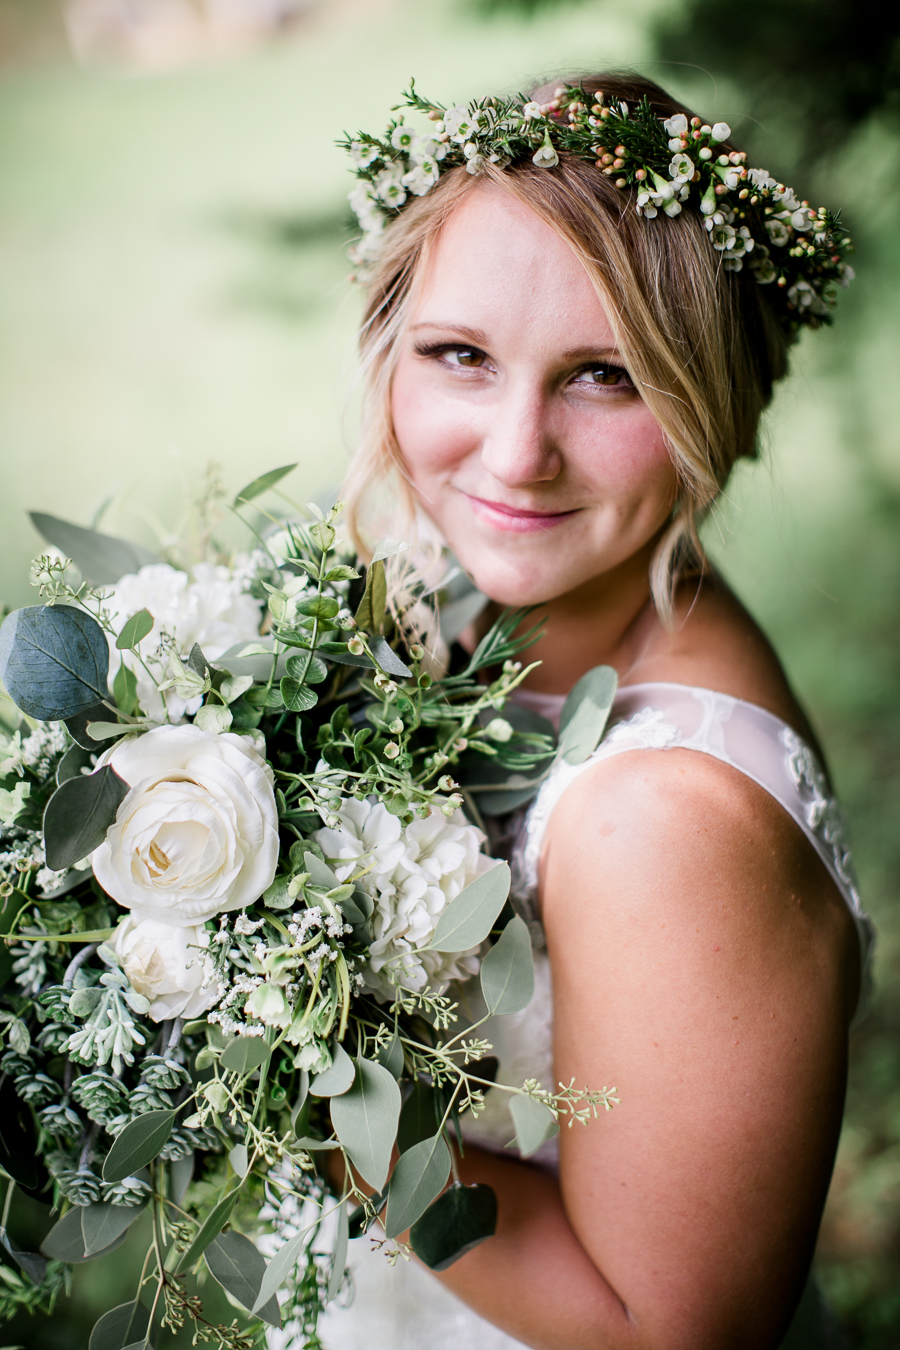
(245, 900)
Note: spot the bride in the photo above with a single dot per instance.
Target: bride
(562, 372)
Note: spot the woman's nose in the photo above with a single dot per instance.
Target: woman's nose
(518, 447)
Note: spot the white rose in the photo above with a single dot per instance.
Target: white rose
(168, 965)
(198, 832)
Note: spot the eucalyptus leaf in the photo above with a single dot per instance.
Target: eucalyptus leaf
(239, 1159)
(310, 1145)
(30, 1263)
(73, 761)
(337, 651)
(181, 1170)
(421, 1114)
(212, 1225)
(534, 1122)
(77, 726)
(125, 690)
(245, 1053)
(339, 1253)
(320, 874)
(138, 1144)
(54, 661)
(458, 614)
(469, 918)
(102, 559)
(365, 1120)
(387, 658)
(391, 1056)
(459, 1220)
(297, 697)
(134, 630)
(337, 1079)
(371, 612)
(308, 669)
(507, 972)
(240, 1268)
(120, 1327)
(65, 1241)
(420, 1174)
(262, 484)
(79, 814)
(102, 1223)
(585, 714)
(388, 548)
(302, 1095)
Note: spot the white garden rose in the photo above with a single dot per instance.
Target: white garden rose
(414, 873)
(168, 965)
(198, 832)
(212, 607)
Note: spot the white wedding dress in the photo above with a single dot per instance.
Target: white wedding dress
(404, 1307)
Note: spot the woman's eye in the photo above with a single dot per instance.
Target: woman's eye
(464, 356)
(611, 377)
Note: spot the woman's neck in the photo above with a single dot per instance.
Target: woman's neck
(608, 621)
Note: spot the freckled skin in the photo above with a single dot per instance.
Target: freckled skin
(702, 959)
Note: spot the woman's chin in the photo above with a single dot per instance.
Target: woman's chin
(517, 588)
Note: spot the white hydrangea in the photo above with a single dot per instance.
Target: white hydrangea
(414, 873)
(212, 607)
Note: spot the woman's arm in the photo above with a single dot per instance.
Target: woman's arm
(704, 963)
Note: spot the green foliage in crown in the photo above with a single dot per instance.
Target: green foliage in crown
(665, 165)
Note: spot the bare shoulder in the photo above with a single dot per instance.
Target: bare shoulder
(676, 836)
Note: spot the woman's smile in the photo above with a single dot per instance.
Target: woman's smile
(515, 519)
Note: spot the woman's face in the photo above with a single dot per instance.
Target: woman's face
(523, 436)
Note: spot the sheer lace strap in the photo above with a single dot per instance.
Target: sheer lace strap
(750, 739)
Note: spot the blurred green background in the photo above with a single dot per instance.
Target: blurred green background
(173, 294)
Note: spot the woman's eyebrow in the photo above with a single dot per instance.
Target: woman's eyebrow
(476, 336)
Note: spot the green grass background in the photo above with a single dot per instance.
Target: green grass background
(173, 292)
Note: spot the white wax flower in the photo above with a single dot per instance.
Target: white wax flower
(168, 965)
(414, 873)
(211, 607)
(198, 832)
(720, 132)
(677, 125)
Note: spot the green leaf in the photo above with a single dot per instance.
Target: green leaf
(320, 874)
(371, 612)
(387, 658)
(120, 1327)
(585, 714)
(337, 651)
(365, 1120)
(73, 761)
(307, 669)
(102, 1223)
(421, 1174)
(134, 630)
(31, 1265)
(337, 1079)
(263, 483)
(507, 972)
(79, 814)
(459, 1220)
(54, 661)
(469, 918)
(534, 1123)
(240, 1268)
(125, 692)
(297, 697)
(421, 1115)
(387, 548)
(311, 1145)
(181, 1170)
(391, 1056)
(77, 726)
(339, 1254)
(212, 1225)
(102, 559)
(244, 1054)
(138, 1144)
(65, 1241)
(319, 606)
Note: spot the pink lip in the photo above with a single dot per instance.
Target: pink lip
(515, 519)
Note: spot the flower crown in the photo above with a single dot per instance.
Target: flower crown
(665, 162)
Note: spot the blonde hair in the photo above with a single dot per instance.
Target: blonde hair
(700, 342)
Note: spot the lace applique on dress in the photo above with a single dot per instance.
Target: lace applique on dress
(823, 814)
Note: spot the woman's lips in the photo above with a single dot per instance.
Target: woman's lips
(516, 519)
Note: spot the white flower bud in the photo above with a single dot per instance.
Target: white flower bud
(498, 730)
